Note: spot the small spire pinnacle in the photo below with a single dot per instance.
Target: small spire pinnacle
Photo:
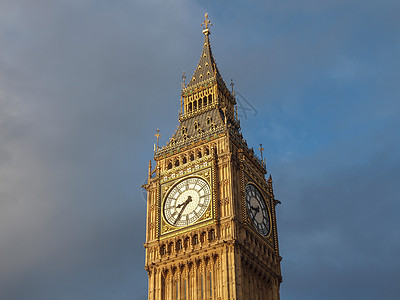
(149, 169)
(232, 84)
(261, 150)
(206, 25)
(183, 80)
(236, 113)
(157, 136)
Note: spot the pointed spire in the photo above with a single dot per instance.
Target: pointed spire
(206, 68)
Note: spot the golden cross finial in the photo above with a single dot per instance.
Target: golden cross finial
(232, 84)
(261, 150)
(206, 23)
(157, 136)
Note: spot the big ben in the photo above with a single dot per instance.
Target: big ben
(211, 229)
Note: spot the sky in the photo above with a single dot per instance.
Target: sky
(84, 84)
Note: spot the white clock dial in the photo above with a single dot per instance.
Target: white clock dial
(187, 202)
(257, 210)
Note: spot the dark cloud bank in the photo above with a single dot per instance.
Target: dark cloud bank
(84, 84)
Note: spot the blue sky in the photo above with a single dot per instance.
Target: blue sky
(84, 84)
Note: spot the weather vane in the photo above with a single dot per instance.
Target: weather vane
(261, 150)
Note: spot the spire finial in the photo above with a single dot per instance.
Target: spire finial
(232, 84)
(206, 25)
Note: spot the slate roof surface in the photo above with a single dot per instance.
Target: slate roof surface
(206, 68)
(215, 115)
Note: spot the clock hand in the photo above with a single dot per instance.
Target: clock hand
(256, 209)
(180, 213)
(183, 205)
(189, 199)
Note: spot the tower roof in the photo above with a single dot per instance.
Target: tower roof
(206, 69)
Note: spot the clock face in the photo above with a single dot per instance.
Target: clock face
(257, 210)
(187, 202)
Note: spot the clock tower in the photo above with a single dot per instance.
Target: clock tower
(211, 222)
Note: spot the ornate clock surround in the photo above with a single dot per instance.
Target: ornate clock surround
(249, 175)
(203, 168)
(267, 202)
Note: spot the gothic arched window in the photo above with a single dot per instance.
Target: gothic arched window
(179, 245)
(187, 242)
(207, 151)
(211, 235)
(163, 250)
